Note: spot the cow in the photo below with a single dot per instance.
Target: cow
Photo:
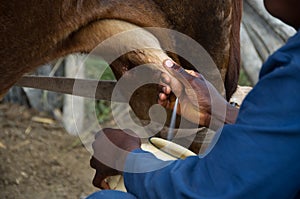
(34, 32)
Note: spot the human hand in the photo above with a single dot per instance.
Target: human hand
(111, 147)
(196, 96)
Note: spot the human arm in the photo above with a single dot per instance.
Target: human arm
(257, 157)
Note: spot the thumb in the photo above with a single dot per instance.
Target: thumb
(178, 72)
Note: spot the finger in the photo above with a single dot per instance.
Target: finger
(169, 102)
(165, 78)
(163, 103)
(173, 67)
(162, 97)
(93, 162)
(105, 185)
(98, 179)
(166, 90)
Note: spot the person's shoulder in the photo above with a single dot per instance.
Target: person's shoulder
(287, 55)
(293, 43)
(293, 50)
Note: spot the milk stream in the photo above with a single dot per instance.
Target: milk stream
(173, 120)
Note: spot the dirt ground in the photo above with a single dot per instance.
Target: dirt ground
(39, 159)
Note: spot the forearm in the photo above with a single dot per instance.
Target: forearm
(226, 114)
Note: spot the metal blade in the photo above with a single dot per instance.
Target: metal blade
(101, 90)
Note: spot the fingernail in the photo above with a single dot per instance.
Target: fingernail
(169, 63)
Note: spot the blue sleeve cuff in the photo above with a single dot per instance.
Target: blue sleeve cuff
(139, 162)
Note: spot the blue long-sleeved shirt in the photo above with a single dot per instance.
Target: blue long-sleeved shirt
(257, 157)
